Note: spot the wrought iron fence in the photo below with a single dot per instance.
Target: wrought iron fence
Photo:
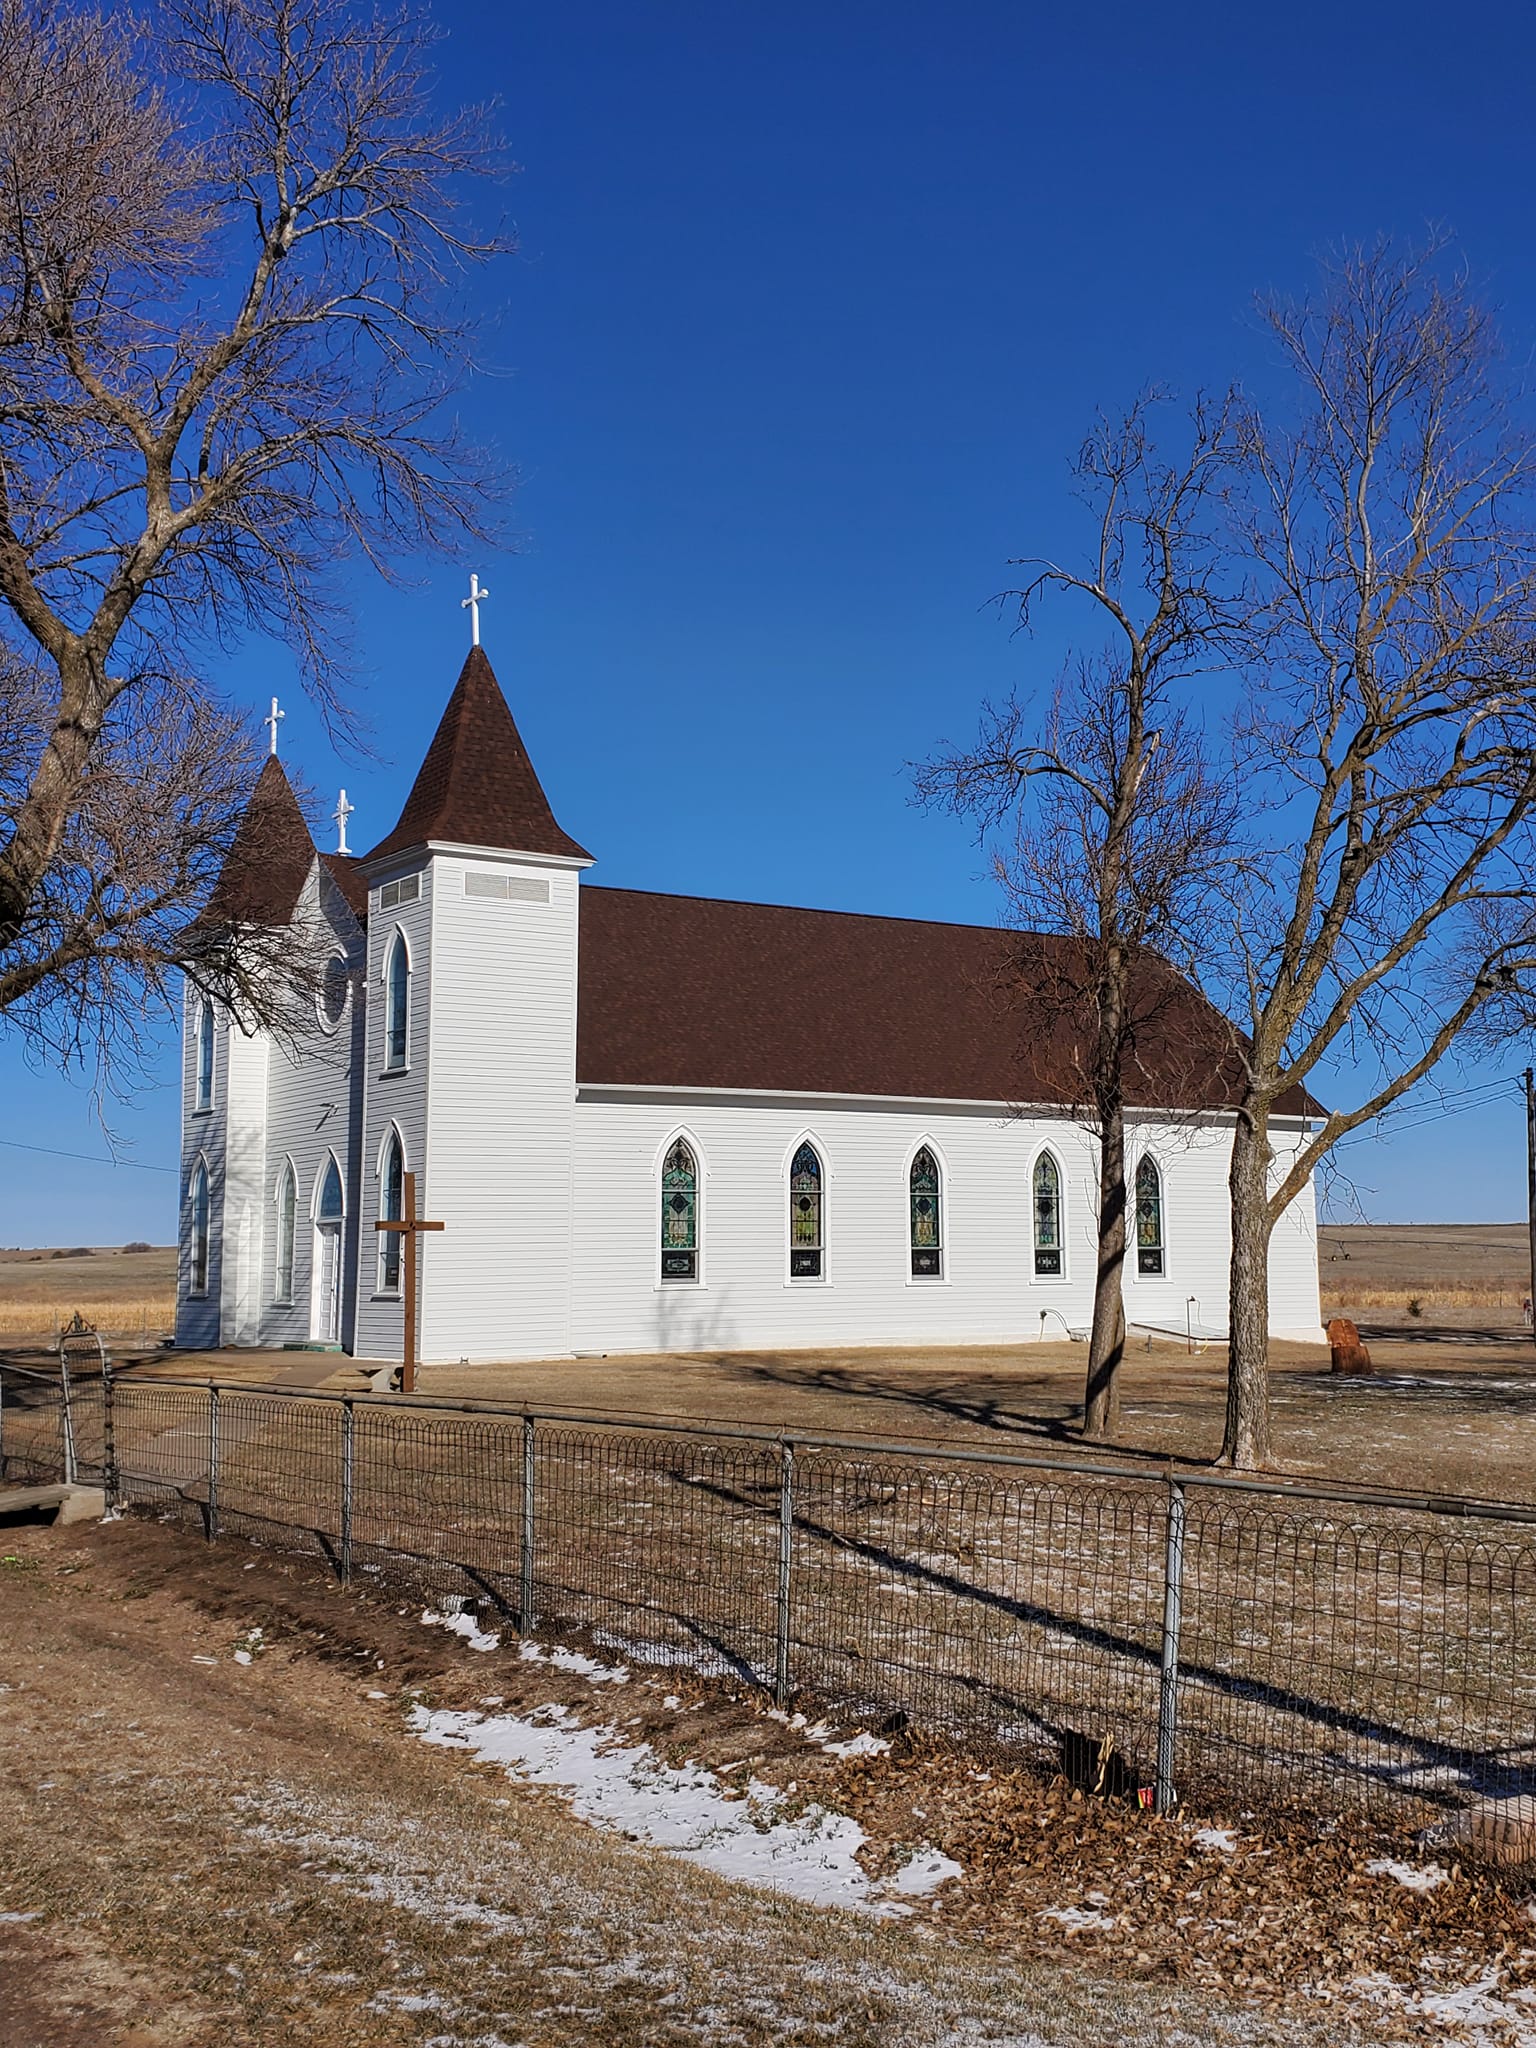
(1264, 1640)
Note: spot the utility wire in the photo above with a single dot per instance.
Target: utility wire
(90, 1158)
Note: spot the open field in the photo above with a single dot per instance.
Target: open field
(1442, 1265)
(219, 1826)
(125, 1294)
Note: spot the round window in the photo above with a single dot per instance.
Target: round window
(333, 992)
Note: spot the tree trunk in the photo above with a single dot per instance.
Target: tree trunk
(1245, 1446)
(1106, 1347)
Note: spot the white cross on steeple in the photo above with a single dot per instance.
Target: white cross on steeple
(270, 722)
(471, 604)
(342, 812)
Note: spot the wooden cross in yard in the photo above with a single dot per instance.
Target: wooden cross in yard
(409, 1226)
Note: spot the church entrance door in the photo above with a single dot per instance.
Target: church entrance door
(326, 1311)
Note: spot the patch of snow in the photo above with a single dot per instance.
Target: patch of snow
(626, 1788)
(243, 1657)
(1216, 1838)
(672, 1701)
(862, 1744)
(1074, 1919)
(928, 1869)
(574, 1662)
(463, 1625)
(15, 1919)
(1417, 1877)
(1475, 2009)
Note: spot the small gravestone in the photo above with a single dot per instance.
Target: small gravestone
(1349, 1354)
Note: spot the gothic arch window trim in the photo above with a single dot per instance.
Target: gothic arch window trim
(1047, 1215)
(202, 1058)
(390, 1170)
(319, 1212)
(397, 1003)
(285, 1199)
(805, 1184)
(927, 1189)
(1149, 1193)
(199, 1228)
(680, 1175)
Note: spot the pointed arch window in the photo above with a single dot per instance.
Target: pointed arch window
(331, 1207)
(287, 1216)
(925, 1213)
(203, 1098)
(1149, 1218)
(198, 1207)
(680, 1213)
(397, 1006)
(807, 1250)
(392, 1207)
(1047, 1218)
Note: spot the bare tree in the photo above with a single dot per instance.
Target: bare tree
(1119, 822)
(228, 241)
(1390, 637)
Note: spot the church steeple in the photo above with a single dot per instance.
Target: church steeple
(269, 858)
(477, 786)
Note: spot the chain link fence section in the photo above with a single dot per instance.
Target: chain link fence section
(1277, 1643)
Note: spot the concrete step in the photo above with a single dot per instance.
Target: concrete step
(74, 1503)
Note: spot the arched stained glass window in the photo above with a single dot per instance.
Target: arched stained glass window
(204, 1096)
(927, 1251)
(197, 1202)
(680, 1213)
(397, 1006)
(287, 1212)
(1047, 1217)
(391, 1207)
(1149, 1217)
(331, 1207)
(806, 1249)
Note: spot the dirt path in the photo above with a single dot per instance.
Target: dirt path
(202, 1849)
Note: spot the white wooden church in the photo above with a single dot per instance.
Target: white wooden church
(663, 1123)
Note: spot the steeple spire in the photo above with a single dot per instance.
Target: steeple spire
(477, 786)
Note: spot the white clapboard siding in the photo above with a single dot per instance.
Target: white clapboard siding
(501, 1086)
(313, 1114)
(988, 1292)
(392, 1101)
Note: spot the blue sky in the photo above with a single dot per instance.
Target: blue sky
(812, 307)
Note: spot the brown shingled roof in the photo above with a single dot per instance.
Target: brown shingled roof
(477, 786)
(269, 859)
(682, 991)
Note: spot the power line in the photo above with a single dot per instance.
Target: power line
(90, 1158)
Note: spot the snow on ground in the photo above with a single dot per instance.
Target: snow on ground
(751, 1833)
(1417, 1877)
(1474, 2010)
(464, 1625)
(1221, 1839)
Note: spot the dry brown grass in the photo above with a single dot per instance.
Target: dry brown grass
(131, 1316)
(1428, 1296)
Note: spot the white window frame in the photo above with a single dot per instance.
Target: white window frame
(287, 1179)
(199, 1174)
(334, 960)
(398, 939)
(941, 1278)
(659, 1282)
(202, 1104)
(824, 1277)
(393, 1135)
(1140, 1278)
(1048, 1151)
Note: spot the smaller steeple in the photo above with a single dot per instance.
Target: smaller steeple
(269, 858)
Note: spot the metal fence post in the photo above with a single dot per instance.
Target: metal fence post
(348, 1432)
(1173, 1611)
(108, 1436)
(525, 1615)
(66, 1419)
(786, 1552)
(213, 1461)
